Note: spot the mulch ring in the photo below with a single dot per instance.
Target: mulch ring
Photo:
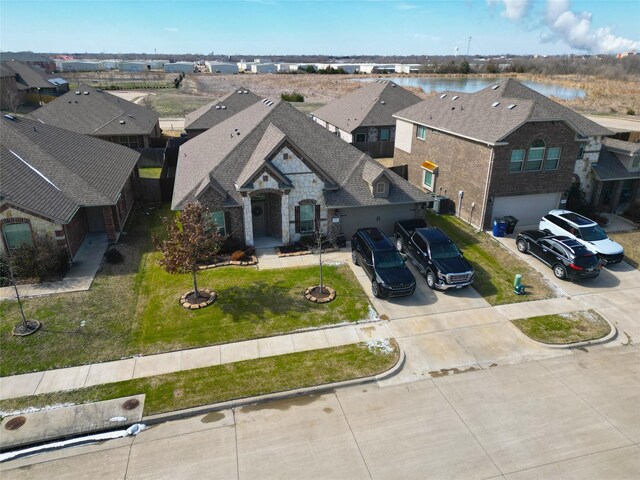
(223, 262)
(22, 330)
(316, 295)
(206, 297)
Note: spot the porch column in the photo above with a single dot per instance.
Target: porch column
(617, 191)
(284, 207)
(248, 220)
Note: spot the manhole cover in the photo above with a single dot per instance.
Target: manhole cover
(15, 423)
(131, 404)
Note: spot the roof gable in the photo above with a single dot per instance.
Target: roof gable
(220, 110)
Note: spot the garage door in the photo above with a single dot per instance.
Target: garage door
(382, 217)
(526, 208)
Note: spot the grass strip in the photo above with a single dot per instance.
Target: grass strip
(150, 172)
(564, 328)
(204, 386)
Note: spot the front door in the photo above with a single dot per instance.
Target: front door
(95, 219)
(257, 214)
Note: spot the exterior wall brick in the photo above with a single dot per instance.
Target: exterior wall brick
(110, 223)
(76, 230)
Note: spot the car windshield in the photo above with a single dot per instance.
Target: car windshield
(441, 251)
(388, 259)
(592, 234)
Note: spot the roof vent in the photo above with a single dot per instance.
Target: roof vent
(130, 116)
(245, 91)
(85, 93)
(455, 97)
(495, 104)
(10, 117)
(393, 84)
(443, 95)
(495, 87)
(265, 100)
(223, 107)
(217, 107)
(240, 92)
(122, 122)
(382, 102)
(77, 92)
(512, 106)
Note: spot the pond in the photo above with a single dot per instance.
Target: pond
(470, 85)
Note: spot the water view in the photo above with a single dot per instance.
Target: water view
(470, 85)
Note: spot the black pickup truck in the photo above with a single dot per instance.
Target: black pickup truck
(434, 254)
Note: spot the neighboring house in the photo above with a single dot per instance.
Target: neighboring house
(213, 113)
(10, 96)
(364, 117)
(616, 176)
(94, 112)
(505, 150)
(60, 183)
(38, 86)
(29, 58)
(269, 171)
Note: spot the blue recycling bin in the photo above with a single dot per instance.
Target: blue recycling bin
(499, 227)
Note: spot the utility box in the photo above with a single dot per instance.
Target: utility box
(441, 204)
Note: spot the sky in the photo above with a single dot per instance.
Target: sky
(322, 27)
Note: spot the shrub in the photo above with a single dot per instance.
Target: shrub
(292, 97)
(113, 256)
(237, 256)
(250, 251)
(230, 245)
(631, 111)
(5, 276)
(43, 261)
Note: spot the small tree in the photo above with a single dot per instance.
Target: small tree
(191, 237)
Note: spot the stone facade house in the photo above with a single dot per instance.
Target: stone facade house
(270, 172)
(364, 117)
(213, 113)
(60, 183)
(92, 111)
(505, 150)
(616, 176)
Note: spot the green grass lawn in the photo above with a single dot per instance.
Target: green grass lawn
(249, 378)
(495, 267)
(564, 327)
(132, 308)
(150, 172)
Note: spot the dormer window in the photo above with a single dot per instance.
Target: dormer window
(381, 187)
(285, 156)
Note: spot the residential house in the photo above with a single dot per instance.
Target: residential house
(29, 58)
(92, 111)
(37, 86)
(59, 183)
(213, 113)
(269, 171)
(616, 176)
(364, 117)
(10, 96)
(505, 150)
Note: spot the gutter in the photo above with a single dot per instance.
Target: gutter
(486, 189)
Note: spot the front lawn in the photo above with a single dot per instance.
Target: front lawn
(564, 328)
(204, 386)
(631, 243)
(150, 172)
(495, 267)
(132, 308)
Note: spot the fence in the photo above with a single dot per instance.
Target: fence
(375, 149)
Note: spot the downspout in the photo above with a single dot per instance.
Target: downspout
(486, 189)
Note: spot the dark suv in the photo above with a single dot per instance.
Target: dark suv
(385, 267)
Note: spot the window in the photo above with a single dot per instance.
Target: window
(384, 134)
(517, 159)
(421, 132)
(307, 216)
(381, 187)
(427, 181)
(535, 157)
(17, 234)
(581, 152)
(636, 162)
(218, 219)
(553, 157)
(361, 137)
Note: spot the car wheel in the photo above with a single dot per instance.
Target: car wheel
(522, 246)
(431, 279)
(354, 257)
(559, 271)
(399, 244)
(375, 289)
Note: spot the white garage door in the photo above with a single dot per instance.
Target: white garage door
(528, 209)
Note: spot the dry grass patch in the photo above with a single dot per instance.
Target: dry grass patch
(631, 243)
(564, 328)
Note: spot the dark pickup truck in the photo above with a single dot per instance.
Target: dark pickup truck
(434, 254)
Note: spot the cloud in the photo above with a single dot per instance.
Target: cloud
(577, 31)
(406, 6)
(513, 9)
(171, 29)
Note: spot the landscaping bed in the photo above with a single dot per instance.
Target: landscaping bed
(495, 267)
(249, 378)
(564, 328)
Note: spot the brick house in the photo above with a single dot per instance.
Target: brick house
(211, 114)
(364, 117)
(270, 172)
(505, 150)
(11, 97)
(60, 183)
(35, 83)
(92, 111)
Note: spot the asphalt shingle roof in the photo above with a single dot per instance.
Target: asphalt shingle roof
(223, 154)
(212, 114)
(371, 105)
(29, 77)
(474, 116)
(609, 167)
(52, 171)
(98, 113)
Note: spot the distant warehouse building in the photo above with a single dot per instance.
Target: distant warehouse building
(133, 66)
(222, 67)
(263, 68)
(179, 67)
(79, 65)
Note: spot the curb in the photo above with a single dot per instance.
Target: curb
(241, 402)
(586, 343)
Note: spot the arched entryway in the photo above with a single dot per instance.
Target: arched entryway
(266, 216)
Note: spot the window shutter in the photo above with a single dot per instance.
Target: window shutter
(297, 219)
(317, 217)
(227, 222)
